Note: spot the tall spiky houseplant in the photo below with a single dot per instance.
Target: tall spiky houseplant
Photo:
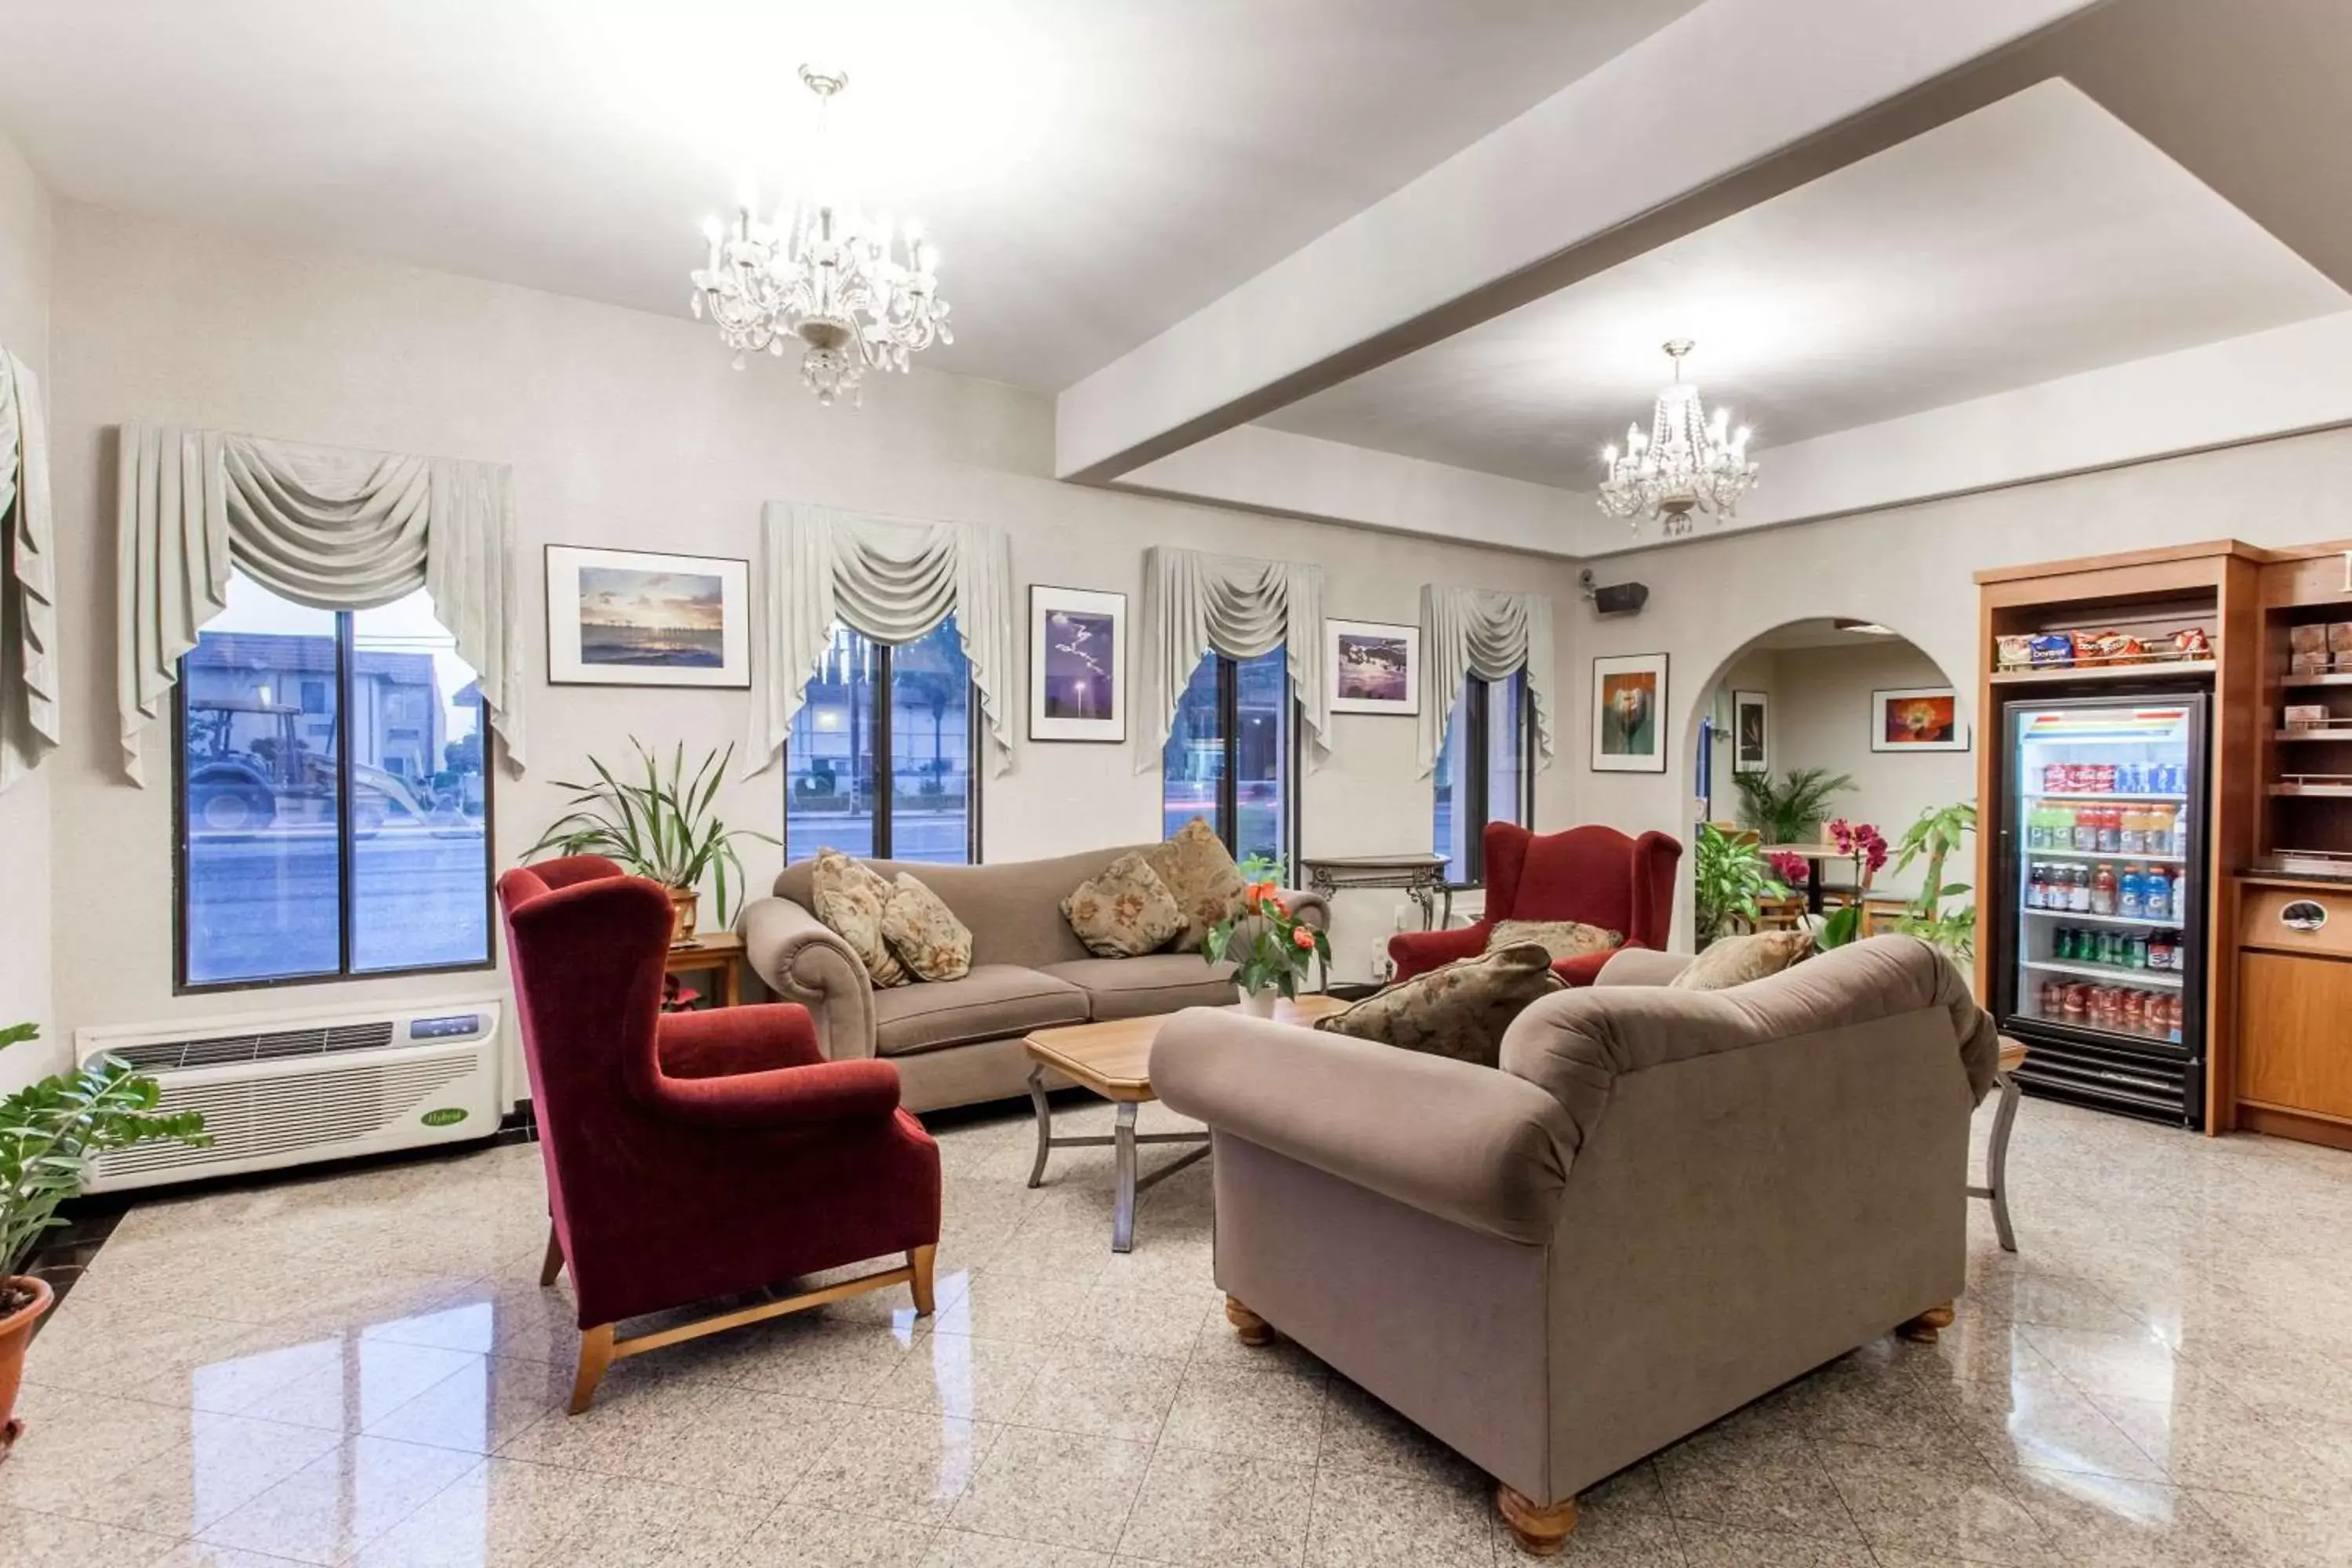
(657, 823)
(1791, 809)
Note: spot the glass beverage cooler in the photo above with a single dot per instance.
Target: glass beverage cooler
(2099, 925)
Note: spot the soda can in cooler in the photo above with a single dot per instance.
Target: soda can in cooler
(2135, 951)
(2129, 779)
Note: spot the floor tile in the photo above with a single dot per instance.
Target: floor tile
(481, 1406)
(1221, 1508)
(961, 1548)
(50, 1541)
(1914, 1502)
(1361, 1433)
(340, 1501)
(1707, 1545)
(962, 1374)
(225, 1462)
(2099, 1521)
(1109, 1392)
(1766, 1483)
(1232, 1412)
(909, 1465)
(1373, 1518)
(1056, 1487)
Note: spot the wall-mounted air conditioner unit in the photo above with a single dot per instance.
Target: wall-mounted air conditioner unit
(288, 1088)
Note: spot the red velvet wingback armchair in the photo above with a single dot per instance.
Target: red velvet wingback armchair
(694, 1156)
(1595, 875)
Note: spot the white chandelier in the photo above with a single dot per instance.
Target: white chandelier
(1685, 464)
(826, 277)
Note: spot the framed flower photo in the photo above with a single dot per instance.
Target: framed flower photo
(1077, 663)
(1629, 713)
(1373, 667)
(638, 617)
(1917, 719)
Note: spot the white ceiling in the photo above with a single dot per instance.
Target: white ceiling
(1093, 170)
(2035, 238)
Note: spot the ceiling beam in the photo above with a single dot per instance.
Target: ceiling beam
(1731, 104)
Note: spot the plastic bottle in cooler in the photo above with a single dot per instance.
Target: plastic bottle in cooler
(2103, 890)
(2085, 826)
(2128, 891)
(2156, 900)
(2111, 829)
(2078, 890)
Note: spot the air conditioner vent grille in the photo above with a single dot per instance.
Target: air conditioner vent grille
(228, 1051)
(313, 1113)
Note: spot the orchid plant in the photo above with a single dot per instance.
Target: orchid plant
(1270, 948)
(1867, 848)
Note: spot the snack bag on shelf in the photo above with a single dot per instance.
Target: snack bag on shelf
(2050, 648)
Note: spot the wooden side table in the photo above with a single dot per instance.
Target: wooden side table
(718, 952)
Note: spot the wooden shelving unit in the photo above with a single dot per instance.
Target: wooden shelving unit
(2076, 674)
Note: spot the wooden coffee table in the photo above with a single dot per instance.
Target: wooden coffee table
(1114, 1060)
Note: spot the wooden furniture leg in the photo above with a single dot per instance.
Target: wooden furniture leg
(920, 1259)
(1253, 1329)
(1923, 1329)
(552, 1264)
(595, 1357)
(1540, 1532)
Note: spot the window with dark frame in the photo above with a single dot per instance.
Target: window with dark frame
(1232, 756)
(880, 761)
(1484, 773)
(331, 807)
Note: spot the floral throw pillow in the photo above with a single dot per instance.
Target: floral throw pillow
(1457, 1010)
(1561, 939)
(1737, 960)
(1198, 871)
(849, 898)
(924, 934)
(1124, 911)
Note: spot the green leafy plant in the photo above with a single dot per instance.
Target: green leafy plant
(1936, 837)
(1730, 879)
(1270, 947)
(52, 1132)
(659, 827)
(1790, 811)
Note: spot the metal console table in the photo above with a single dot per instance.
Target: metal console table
(1422, 877)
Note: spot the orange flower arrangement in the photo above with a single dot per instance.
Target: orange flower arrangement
(1270, 948)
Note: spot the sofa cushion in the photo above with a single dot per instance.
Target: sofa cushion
(1124, 910)
(1561, 939)
(1139, 987)
(1459, 1010)
(849, 898)
(924, 933)
(1200, 870)
(993, 1001)
(1737, 960)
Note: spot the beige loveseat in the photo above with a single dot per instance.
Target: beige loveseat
(958, 1041)
(1664, 1205)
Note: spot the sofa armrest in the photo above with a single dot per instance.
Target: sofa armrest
(1312, 908)
(801, 960)
(1642, 966)
(1418, 951)
(1465, 1143)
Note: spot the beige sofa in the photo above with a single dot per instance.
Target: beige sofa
(958, 1041)
(1665, 1203)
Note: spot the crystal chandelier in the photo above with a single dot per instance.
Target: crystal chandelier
(1686, 463)
(826, 277)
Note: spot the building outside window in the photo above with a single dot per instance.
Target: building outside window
(317, 837)
(1232, 756)
(880, 760)
(1482, 774)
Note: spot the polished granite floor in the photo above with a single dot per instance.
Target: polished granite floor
(363, 1368)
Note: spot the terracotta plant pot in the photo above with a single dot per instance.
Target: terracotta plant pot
(15, 1334)
(682, 902)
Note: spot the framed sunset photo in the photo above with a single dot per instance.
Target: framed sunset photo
(1374, 667)
(1077, 653)
(1917, 719)
(637, 618)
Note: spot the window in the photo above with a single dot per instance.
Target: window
(1231, 755)
(317, 840)
(880, 758)
(1482, 774)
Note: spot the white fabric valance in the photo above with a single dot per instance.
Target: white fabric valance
(324, 526)
(1195, 604)
(28, 577)
(1472, 631)
(890, 580)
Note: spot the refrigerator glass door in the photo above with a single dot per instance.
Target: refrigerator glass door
(2106, 840)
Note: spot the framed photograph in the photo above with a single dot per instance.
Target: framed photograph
(1629, 714)
(634, 617)
(1917, 719)
(1374, 668)
(1077, 663)
(1749, 753)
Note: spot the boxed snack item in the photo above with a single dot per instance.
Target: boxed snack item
(2306, 664)
(2047, 648)
(2311, 638)
(2012, 652)
(2340, 637)
(2306, 716)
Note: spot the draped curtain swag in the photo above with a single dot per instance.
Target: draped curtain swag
(327, 527)
(1195, 604)
(28, 578)
(1473, 631)
(891, 581)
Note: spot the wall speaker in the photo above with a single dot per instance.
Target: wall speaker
(1617, 599)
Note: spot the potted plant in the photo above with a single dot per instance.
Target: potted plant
(51, 1132)
(1729, 876)
(1271, 949)
(660, 826)
(1790, 811)
(1867, 846)
(1938, 837)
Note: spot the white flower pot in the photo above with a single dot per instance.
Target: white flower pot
(1258, 1003)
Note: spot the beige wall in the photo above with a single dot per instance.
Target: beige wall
(625, 429)
(25, 869)
(1910, 568)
